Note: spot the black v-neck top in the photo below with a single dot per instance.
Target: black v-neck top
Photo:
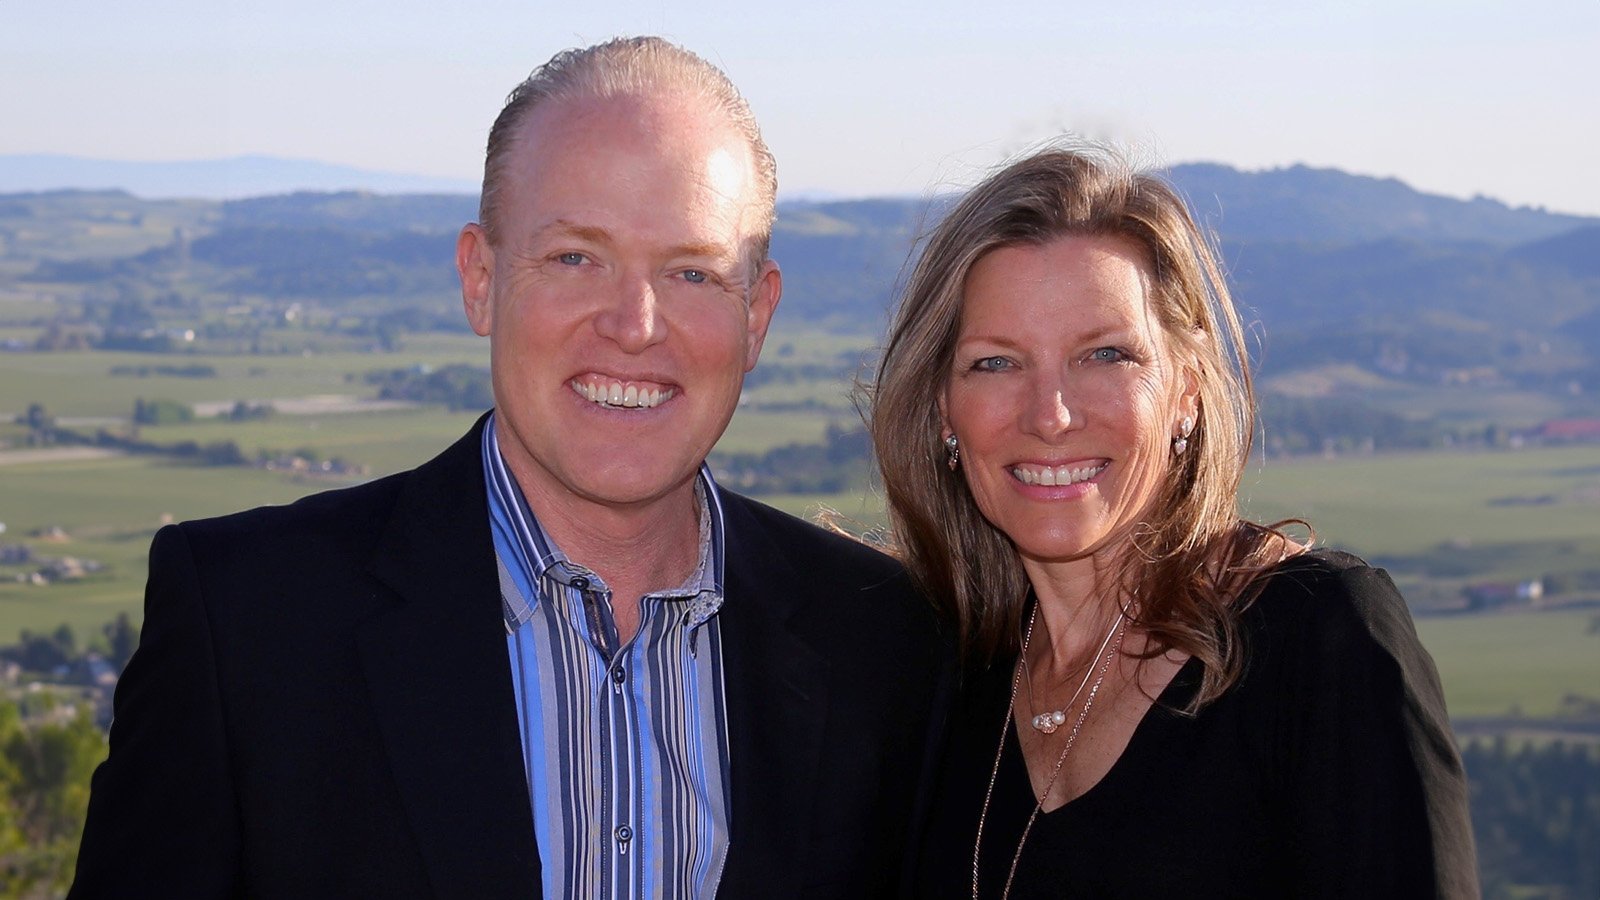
(1328, 770)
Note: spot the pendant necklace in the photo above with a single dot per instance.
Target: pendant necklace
(1119, 630)
(1048, 721)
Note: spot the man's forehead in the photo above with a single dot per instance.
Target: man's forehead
(587, 162)
(666, 120)
(674, 128)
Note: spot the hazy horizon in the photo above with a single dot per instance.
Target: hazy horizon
(321, 176)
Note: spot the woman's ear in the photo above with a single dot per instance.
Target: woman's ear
(944, 415)
(1189, 396)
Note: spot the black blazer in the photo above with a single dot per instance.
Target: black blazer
(321, 706)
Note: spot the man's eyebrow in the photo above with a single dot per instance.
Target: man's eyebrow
(563, 228)
(598, 235)
(703, 248)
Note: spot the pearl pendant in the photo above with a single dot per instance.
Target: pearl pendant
(1048, 722)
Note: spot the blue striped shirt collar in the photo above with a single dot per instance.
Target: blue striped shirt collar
(703, 591)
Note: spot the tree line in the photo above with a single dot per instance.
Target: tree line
(1536, 818)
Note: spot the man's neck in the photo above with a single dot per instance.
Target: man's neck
(635, 549)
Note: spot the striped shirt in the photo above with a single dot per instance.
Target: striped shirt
(625, 747)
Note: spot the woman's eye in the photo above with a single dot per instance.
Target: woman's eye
(1108, 354)
(991, 364)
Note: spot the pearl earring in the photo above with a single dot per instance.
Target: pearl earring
(1181, 442)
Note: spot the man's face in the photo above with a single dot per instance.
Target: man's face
(620, 306)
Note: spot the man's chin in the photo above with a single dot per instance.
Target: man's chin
(622, 486)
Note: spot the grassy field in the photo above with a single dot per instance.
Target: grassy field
(1504, 664)
(81, 384)
(1458, 406)
(383, 441)
(1512, 514)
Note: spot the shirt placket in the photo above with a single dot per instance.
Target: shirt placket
(618, 740)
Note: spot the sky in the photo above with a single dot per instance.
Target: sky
(864, 98)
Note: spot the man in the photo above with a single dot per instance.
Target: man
(557, 657)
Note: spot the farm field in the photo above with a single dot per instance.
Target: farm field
(1507, 664)
(1437, 520)
(82, 384)
(1404, 504)
(1440, 521)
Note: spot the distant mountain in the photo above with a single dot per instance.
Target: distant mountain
(1403, 281)
(216, 179)
(842, 260)
(1338, 269)
(1576, 251)
(354, 210)
(1297, 203)
(1301, 203)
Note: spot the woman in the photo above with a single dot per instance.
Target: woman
(1161, 698)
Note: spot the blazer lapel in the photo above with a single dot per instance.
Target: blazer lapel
(440, 680)
(777, 706)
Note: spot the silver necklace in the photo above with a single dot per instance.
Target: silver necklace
(1120, 629)
(1048, 721)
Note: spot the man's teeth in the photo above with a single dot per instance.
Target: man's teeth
(1057, 476)
(614, 394)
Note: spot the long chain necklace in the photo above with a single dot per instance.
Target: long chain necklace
(1120, 627)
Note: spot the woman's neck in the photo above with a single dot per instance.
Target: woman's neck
(1076, 606)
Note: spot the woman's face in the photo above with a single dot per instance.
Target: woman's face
(1064, 395)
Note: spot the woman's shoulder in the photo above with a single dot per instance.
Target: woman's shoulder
(1322, 584)
(1333, 606)
(1349, 707)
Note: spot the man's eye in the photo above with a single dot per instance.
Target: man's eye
(1108, 354)
(570, 259)
(694, 276)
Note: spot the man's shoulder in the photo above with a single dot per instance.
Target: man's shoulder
(335, 505)
(341, 517)
(832, 577)
(318, 522)
(808, 546)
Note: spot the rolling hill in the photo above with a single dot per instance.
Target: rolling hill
(1336, 269)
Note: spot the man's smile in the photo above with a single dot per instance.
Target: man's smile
(607, 391)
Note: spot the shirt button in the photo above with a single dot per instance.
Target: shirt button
(624, 833)
(619, 675)
(581, 583)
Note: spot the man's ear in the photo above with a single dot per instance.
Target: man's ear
(764, 294)
(475, 265)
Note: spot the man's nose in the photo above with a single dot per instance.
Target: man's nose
(631, 317)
